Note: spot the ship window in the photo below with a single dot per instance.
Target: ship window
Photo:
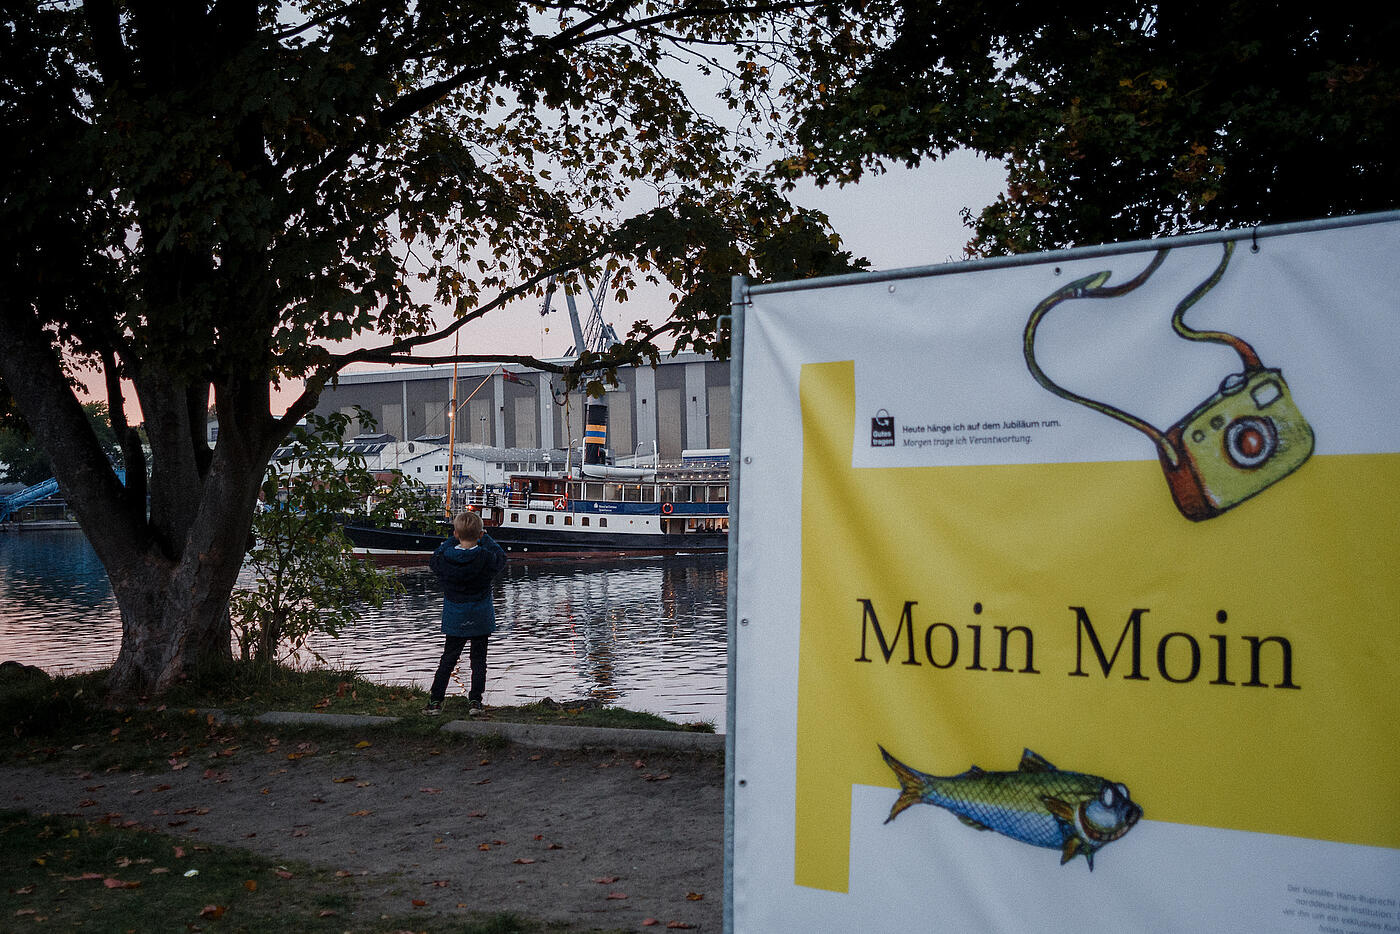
(632, 494)
(680, 494)
(548, 520)
(602, 522)
(515, 517)
(533, 517)
(585, 520)
(568, 520)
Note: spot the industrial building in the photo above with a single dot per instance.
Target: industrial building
(681, 403)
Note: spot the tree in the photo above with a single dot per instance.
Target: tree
(1122, 119)
(306, 579)
(201, 198)
(22, 461)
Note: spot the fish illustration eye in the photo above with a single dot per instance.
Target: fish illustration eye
(1123, 790)
(1108, 796)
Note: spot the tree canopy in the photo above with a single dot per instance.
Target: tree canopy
(1122, 119)
(203, 198)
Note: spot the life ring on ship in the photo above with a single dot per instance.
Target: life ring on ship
(667, 509)
(560, 502)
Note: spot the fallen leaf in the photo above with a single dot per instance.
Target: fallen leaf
(693, 896)
(159, 870)
(483, 846)
(179, 852)
(484, 781)
(649, 922)
(119, 884)
(343, 779)
(431, 791)
(343, 873)
(283, 874)
(300, 832)
(679, 925)
(524, 861)
(607, 880)
(554, 846)
(539, 836)
(616, 895)
(363, 744)
(326, 913)
(418, 903)
(477, 814)
(251, 885)
(213, 912)
(361, 813)
(27, 890)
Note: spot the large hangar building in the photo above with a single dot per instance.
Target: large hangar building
(680, 404)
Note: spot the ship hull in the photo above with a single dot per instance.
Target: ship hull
(391, 544)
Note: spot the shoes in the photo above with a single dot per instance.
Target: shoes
(433, 709)
(474, 709)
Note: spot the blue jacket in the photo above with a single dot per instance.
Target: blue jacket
(465, 575)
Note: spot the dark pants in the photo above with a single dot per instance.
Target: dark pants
(451, 652)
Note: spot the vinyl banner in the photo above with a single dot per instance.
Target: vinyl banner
(1068, 593)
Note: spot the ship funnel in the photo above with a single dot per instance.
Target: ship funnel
(595, 433)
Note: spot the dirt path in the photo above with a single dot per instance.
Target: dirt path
(594, 839)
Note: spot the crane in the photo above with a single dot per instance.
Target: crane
(596, 334)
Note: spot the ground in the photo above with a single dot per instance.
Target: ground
(614, 840)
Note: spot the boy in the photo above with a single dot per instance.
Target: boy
(465, 565)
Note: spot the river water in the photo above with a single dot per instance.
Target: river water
(645, 633)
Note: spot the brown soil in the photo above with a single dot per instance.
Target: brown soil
(597, 840)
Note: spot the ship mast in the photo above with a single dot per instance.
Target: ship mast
(451, 431)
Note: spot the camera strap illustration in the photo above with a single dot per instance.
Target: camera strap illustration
(1244, 438)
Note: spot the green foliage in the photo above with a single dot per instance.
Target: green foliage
(307, 580)
(203, 199)
(1123, 119)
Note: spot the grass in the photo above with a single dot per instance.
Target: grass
(73, 720)
(71, 875)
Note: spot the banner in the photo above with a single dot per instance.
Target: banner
(1069, 593)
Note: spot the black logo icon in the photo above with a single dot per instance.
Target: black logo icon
(882, 430)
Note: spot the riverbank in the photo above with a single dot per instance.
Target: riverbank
(419, 824)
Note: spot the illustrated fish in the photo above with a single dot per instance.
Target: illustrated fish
(1072, 812)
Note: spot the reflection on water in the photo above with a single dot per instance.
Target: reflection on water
(646, 633)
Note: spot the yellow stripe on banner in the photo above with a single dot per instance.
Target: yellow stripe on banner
(1258, 653)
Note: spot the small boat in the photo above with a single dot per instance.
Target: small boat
(591, 510)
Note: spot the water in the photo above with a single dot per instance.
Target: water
(645, 633)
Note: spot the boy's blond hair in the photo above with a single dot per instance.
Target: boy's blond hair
(467, 527)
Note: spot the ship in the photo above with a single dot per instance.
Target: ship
(591, 509)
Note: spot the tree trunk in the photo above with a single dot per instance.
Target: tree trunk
(172, 571)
